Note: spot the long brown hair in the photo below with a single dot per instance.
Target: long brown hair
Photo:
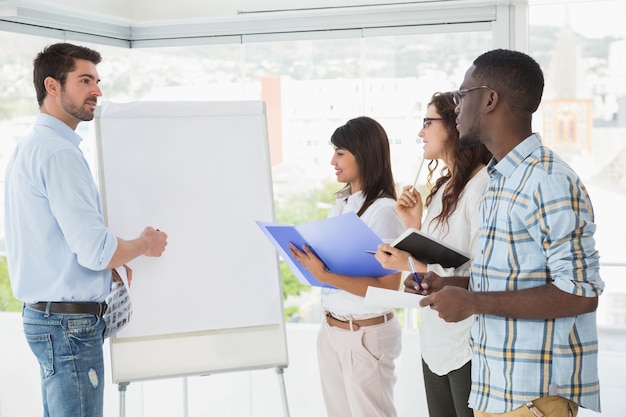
(466, 160)
(366, 139)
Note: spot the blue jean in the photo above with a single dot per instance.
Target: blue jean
(70, 354)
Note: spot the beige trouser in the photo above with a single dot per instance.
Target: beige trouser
(357, 369)
(547, 406)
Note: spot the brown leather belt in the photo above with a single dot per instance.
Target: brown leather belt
(97, 309)
(357, 324)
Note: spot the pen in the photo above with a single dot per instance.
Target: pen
(415, 275)
(418, 173)
(373, 252)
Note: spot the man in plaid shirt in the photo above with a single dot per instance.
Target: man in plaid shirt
(535, 279)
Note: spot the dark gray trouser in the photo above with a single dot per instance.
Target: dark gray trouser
(447, 395)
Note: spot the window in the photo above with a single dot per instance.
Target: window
(580, 45)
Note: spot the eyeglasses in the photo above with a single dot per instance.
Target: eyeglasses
(458, 95)
(429, 120)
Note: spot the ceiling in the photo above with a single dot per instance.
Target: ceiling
(137, 23)
(143, 11)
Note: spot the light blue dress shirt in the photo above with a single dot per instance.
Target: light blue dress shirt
(57, 244)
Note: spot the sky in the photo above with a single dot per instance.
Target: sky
(593, 19)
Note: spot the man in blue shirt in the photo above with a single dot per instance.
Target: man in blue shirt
(535, 280)
(59, 251)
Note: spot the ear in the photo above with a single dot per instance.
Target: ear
(53, 87)
(492, 102)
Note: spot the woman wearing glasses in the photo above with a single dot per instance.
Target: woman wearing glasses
(451, 217)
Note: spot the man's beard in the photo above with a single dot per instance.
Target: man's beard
(78, 112)
(469, 139)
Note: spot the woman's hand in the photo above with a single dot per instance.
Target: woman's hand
(392, 258)
(409, 207)
(309, 260)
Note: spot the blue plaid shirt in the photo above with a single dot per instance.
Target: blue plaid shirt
(536, 228)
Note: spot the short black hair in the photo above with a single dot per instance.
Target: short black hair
(517, 77)
(57, 61)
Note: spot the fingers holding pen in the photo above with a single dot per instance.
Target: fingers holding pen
(429, 281)
(409, 197)
(409, 207)
(390, 257)
(155, 241)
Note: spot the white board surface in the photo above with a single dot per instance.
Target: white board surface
(200, 172)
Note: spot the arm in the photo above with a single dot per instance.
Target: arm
(74, 202)
(354, 285)
(540, 303)
(151, 242)
(574, 288)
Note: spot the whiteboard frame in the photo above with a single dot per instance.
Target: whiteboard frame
(211, 350)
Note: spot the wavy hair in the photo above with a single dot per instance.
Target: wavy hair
(466, 160)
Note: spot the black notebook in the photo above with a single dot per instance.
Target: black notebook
(429, 250)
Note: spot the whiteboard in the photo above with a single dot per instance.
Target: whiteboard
(200, 172)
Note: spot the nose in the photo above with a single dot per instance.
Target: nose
(97, 91)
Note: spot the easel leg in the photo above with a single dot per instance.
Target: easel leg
(121, 387)
(280, 370)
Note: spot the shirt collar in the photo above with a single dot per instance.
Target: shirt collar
(59, 127)
(344, 195)
(507, 165)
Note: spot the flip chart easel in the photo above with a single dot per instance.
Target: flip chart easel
(199, 171)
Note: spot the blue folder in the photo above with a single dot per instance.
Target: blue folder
(340, 242)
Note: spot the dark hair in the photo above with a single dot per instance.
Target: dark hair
(466, 159)
(514, 75)
(366, 139)
(57, 61)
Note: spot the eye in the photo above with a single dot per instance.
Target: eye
(427, 123)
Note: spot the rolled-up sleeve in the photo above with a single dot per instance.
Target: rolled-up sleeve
(75, 204)
(561, 221)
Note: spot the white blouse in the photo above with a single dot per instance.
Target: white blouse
(445, 346)
(381, 217)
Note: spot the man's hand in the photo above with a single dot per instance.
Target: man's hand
(431, 282)
(452, 303)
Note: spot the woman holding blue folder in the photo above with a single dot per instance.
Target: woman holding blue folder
(451, 217)
(358, 344)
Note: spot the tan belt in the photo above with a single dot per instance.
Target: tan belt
(357, 324)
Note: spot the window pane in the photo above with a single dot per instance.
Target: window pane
(582, 48)
(401, 74)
